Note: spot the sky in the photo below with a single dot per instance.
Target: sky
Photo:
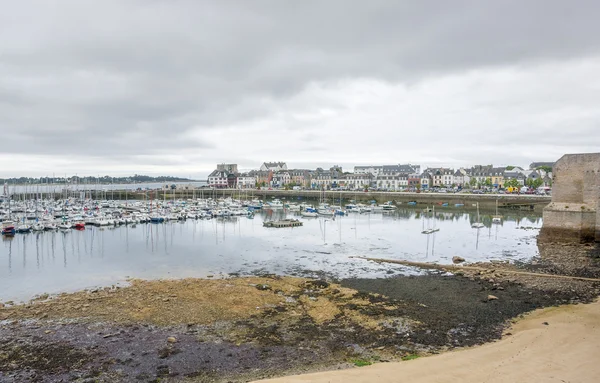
(173, 87)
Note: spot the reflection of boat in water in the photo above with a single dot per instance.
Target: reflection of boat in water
(477, 224)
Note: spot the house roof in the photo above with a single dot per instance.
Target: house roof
(274, 164)
(218, 173)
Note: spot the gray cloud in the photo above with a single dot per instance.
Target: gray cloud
(126, 78)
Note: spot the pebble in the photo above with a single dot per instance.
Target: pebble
(492, 297)
(172, 339)
(457, 259)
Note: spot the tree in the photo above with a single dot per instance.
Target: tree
(510, 167)
(511, 183)
(473, 181)
(488, 182)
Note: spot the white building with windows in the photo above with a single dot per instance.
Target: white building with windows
(245, 181)
(217, 178)
(392, 182)
(358, 181)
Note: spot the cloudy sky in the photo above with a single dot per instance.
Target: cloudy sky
(173, 86)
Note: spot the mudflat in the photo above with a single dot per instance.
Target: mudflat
(559, 344)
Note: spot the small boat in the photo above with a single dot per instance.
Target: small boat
(324, 209)
(432, 229)
(79, 225)
(8, 228)
(64, 226)
(411, 203)
(50, 226)
(275, 204)
(309, 212)
(497, 218)
(157, 219)
(293, 207)
(477, 224)
(23, 229)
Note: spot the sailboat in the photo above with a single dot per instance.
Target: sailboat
(432, 229)
(8, 227)
(497, 218)
(478, 224)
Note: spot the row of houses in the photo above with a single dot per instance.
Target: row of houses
(384, 177)
(481, 175)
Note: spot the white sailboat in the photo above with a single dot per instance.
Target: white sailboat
(477, 224)
(431, 229)
(497, 218)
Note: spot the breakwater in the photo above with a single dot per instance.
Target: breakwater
(486, 201)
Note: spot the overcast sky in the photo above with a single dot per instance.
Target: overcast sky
(173, 87)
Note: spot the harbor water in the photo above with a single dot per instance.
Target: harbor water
(59, 261)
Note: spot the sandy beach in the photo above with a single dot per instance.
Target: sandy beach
(550, 345)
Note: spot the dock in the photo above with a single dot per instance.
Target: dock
(283, 223)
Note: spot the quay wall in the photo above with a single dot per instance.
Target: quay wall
(525, 202)
(574, 212)
(486, 201)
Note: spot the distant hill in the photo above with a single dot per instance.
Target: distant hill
(137, 178)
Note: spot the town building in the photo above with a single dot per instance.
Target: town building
(246, 181)
(273, 166)
(426, 180)
(359, 181)
(300, 177)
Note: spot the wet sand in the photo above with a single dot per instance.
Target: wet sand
(550, 345)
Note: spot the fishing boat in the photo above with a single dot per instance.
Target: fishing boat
(477, 224)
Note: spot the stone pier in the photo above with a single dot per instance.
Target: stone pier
(574, 213)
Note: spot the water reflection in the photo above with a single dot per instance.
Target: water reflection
(100, 256)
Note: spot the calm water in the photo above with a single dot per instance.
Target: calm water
(52, 262)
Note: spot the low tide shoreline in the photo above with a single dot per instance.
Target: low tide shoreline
(248, 328)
